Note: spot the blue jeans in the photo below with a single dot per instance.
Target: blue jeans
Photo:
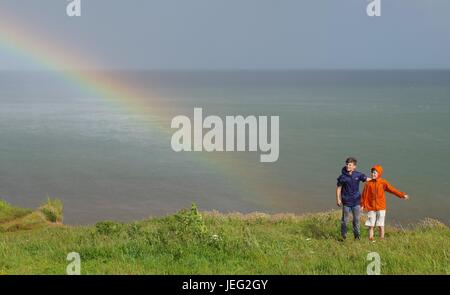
(356, 212)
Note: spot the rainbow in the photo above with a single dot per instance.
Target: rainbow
(40, 49)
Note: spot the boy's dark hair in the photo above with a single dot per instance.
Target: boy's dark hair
(351, 160)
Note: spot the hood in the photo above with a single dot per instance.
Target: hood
(379, 169)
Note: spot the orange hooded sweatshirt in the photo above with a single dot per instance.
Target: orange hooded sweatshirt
(373, 197)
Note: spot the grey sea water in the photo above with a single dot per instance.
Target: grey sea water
(105, 161)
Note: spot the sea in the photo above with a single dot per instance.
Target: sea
(107, 154)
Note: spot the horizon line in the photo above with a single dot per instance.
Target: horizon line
(114, 69)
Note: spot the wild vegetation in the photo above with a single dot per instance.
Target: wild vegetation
(193, 242)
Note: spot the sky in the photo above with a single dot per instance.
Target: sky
(239, 34)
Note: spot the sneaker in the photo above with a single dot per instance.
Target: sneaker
(358, 238)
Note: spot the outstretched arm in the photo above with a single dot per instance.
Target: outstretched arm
(389, 188)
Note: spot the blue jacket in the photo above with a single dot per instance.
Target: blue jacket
(350, 187)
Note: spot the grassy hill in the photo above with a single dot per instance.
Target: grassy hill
(190, 242)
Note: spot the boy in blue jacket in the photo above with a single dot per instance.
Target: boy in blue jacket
(349, 197)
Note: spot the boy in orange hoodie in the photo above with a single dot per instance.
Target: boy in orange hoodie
(373, 200)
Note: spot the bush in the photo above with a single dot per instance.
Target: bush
(190, 222)
(50, 215)
(52, 210)
(109, 228)
(135, 230)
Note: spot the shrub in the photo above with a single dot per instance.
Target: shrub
(190, 222)
(52, 210)
(134, 230)
(109, 228)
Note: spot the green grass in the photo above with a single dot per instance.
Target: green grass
(8, 212)
(189, 242)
